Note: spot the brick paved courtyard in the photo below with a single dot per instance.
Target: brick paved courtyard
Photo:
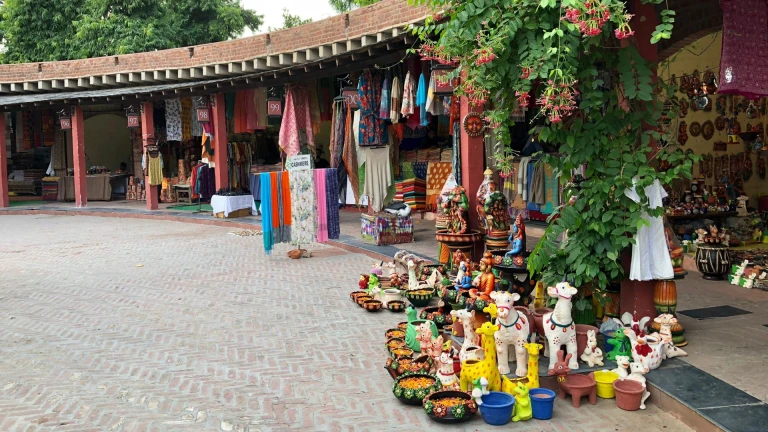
(209, 334)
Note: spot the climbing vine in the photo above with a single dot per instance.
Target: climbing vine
(575, 63)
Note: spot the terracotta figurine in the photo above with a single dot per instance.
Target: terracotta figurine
(517, 242)
(457, 207)
(514, 329)
(486, 282)
(486, 188)
(523, 409)
(592, 354)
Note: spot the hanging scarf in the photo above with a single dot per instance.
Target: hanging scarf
(350, 157)
(303, 209)
(276, 208)
(186, 119)
(385, 101)
(332, 143)
(332, 202)
(322, 206)
(421, 101)
(285, 195)
(266, 212)
(456, 160)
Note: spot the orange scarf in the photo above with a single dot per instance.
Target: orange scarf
(286, 193)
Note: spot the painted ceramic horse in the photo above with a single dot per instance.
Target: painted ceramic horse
(559, 327)
(514, 329)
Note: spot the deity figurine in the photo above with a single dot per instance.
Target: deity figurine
(517, 241)
(497, 213)
(487, 187)
(457, 207)
(486, 281)
(463, 277)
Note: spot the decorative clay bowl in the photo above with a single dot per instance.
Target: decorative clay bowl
(435, 314)
(372, 305)
(362, 299)
(396, 305)
(395, 333)
(420, 297)
(411, 389)
(450, 412)
(355, 294)
(395, 343)
(398, 367)
(399, 353)
(403, 325)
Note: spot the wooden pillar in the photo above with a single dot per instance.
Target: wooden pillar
(472, 167)
(4, 201)
(148, 138)
(220, 141)
(637, 296)
(78, 156)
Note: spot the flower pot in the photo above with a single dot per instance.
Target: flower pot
(581, 337)
(362, 299)
(372, 305)
(391, 295)
(629, 394)
(420, 297)
(497, 408)
(396, 305)
(455, 414)
(395, 333)
(665, 297)
(435, 314)
(414, 395)
(538, 315)
(542, 403)
(605, 381)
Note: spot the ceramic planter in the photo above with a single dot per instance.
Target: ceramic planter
(538, 315)
(395, 333)
(398, 367)
(629, 394)
(372, 305)
(453, 413)
(497, 408)
(436, 315)
(362, 299)
(420, 297)
(403, 325)
(395, 343)
(605, 380)
(355, 294)
(391, 295)
(396, 306)
(411, 389)
(713, 261)
(400, 353)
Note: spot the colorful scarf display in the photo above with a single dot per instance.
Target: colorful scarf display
(302, 207)
(332, 202)
(266, 212)
(373, 130)
(350, 157)
(322, 206)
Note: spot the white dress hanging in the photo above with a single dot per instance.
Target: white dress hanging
(650, 255)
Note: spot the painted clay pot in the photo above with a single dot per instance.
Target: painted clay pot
(400, 353)
(372, 306)
(362, 299)
(581, 336)
(665, 297)
(713, 261)
(398, 367)
(629, 394)
(355, 294)
(391, 295)
(450, 415)
(395, 343)
(435, 314)
(538, 316)
(396, 305)
(395, 334)
(411, 389)
(420, 297)
(403, 325)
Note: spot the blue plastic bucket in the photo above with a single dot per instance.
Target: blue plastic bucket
(542, 403)
(497, 408)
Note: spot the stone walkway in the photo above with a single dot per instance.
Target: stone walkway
(134, 325)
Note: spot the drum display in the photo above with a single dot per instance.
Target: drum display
(713, 261)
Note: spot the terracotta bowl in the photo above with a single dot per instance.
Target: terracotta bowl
(395, 343)
(372, 305)
(355, 294)
(395, 333)
(419, 298)
(362, 299)
(399, 353)
(404, 365)
(456, 414)
(403, 325)
(411, 395)
(396, 305)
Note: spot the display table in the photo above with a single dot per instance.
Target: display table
(98, 188)
(227, 205)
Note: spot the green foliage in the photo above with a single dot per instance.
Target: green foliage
(61, 30)
(291, 21)
(342, 6)
(597, 104)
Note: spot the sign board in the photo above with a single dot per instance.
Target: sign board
(203, 115)
(274, 107)
(299, 163)
(66, 123)
(133, 120)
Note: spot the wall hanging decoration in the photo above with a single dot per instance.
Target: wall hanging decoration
(720, 123)
(709, 160)
(682, 133)
(718, 165)
(474, 125)
(695, 129)
(760, 165)
(708, 130)
(683, 108)
(720, 146)
(747, 167)
(709, 81)
(721, 105)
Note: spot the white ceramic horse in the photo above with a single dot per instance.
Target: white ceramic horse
(559, 327)
(467, 319)
(514, 329)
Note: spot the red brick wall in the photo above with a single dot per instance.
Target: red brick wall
(365, 21)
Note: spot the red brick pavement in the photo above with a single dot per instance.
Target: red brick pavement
(210, 334)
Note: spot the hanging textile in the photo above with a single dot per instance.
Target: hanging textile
(173, 119)
(26, 127)
(186, 119)
(378, 176)
(322, 206)
(552, 190)
(373, 130)
(437, 174)
(332, 142)
(197, 127)
(302, 207)
(207, 150)
(742, 69)
(332, 202)
(260, 104)
(409, 96)
(350, 156)
(324, 95)
(296, 118)
(286, 212)
(48, 128)
(650, 255)
(229, 105)
(241, 113)
(421, 101)
(433, 103)
(266, 212)
(456, 159)
(154, 166)
(420, 170)
(251, 114)
(396, 93)
(385, 100)
(342, 180)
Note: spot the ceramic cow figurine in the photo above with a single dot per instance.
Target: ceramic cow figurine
(514, 329)
(559, 327)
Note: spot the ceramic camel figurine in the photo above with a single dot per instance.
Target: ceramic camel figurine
(467, 319)
(471, 370)
(592, 354)
(559, 327)
(445, 371)
(514, 329)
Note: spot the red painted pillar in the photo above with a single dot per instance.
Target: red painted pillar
(220, 141)
(4, 201)
(637, 296)
(148, 138)
(472, 167)
(78, 156)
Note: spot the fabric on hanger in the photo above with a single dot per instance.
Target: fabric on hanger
(296, 117)
(332, 202)
(456, 159)
(396, 95)
(650, 254)
(421, 101)
(373, 130)
(552, 190)
(437, 174)
(385, 100)
(538, 194)
(378, 176)
(285, 193)
(186, 119)
(266, 212)
(276, 207)
(522, 178)
(197, 127)
(322, 206)
(332, 141)
(742, 72)
(251, 115)
(350, 156)
(260, 105)
(240, 114)
(173, 119)
(341, 179)
(255, 184)
(433, 104)
(409, 96)
(303, 207)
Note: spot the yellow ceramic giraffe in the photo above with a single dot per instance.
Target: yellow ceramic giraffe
(471, 370)
(533, 365)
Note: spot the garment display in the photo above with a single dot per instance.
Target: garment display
(332, 202)
(378, 176)
(296, 119)
(420, 170)
(322, 206)
(154, 168)
(433, 103)
(396, 96)
(350, 156)
(373, 130)
(522, 178)
(385, 100)
(173, 119)
(197, 127)
(744, 34)
(437, 174)
(186, 119)
(552, 190)
(650, 255)
(243, 100)
(538, 194)
(409, 96)
(303, 207)
(229, 105)
(281, 200)
(260, 105)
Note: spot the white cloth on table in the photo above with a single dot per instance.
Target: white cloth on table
(229, 204)
(650, 255)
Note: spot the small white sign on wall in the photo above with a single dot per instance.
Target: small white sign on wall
(299, 163)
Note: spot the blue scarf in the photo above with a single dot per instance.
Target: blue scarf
(266, 212)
